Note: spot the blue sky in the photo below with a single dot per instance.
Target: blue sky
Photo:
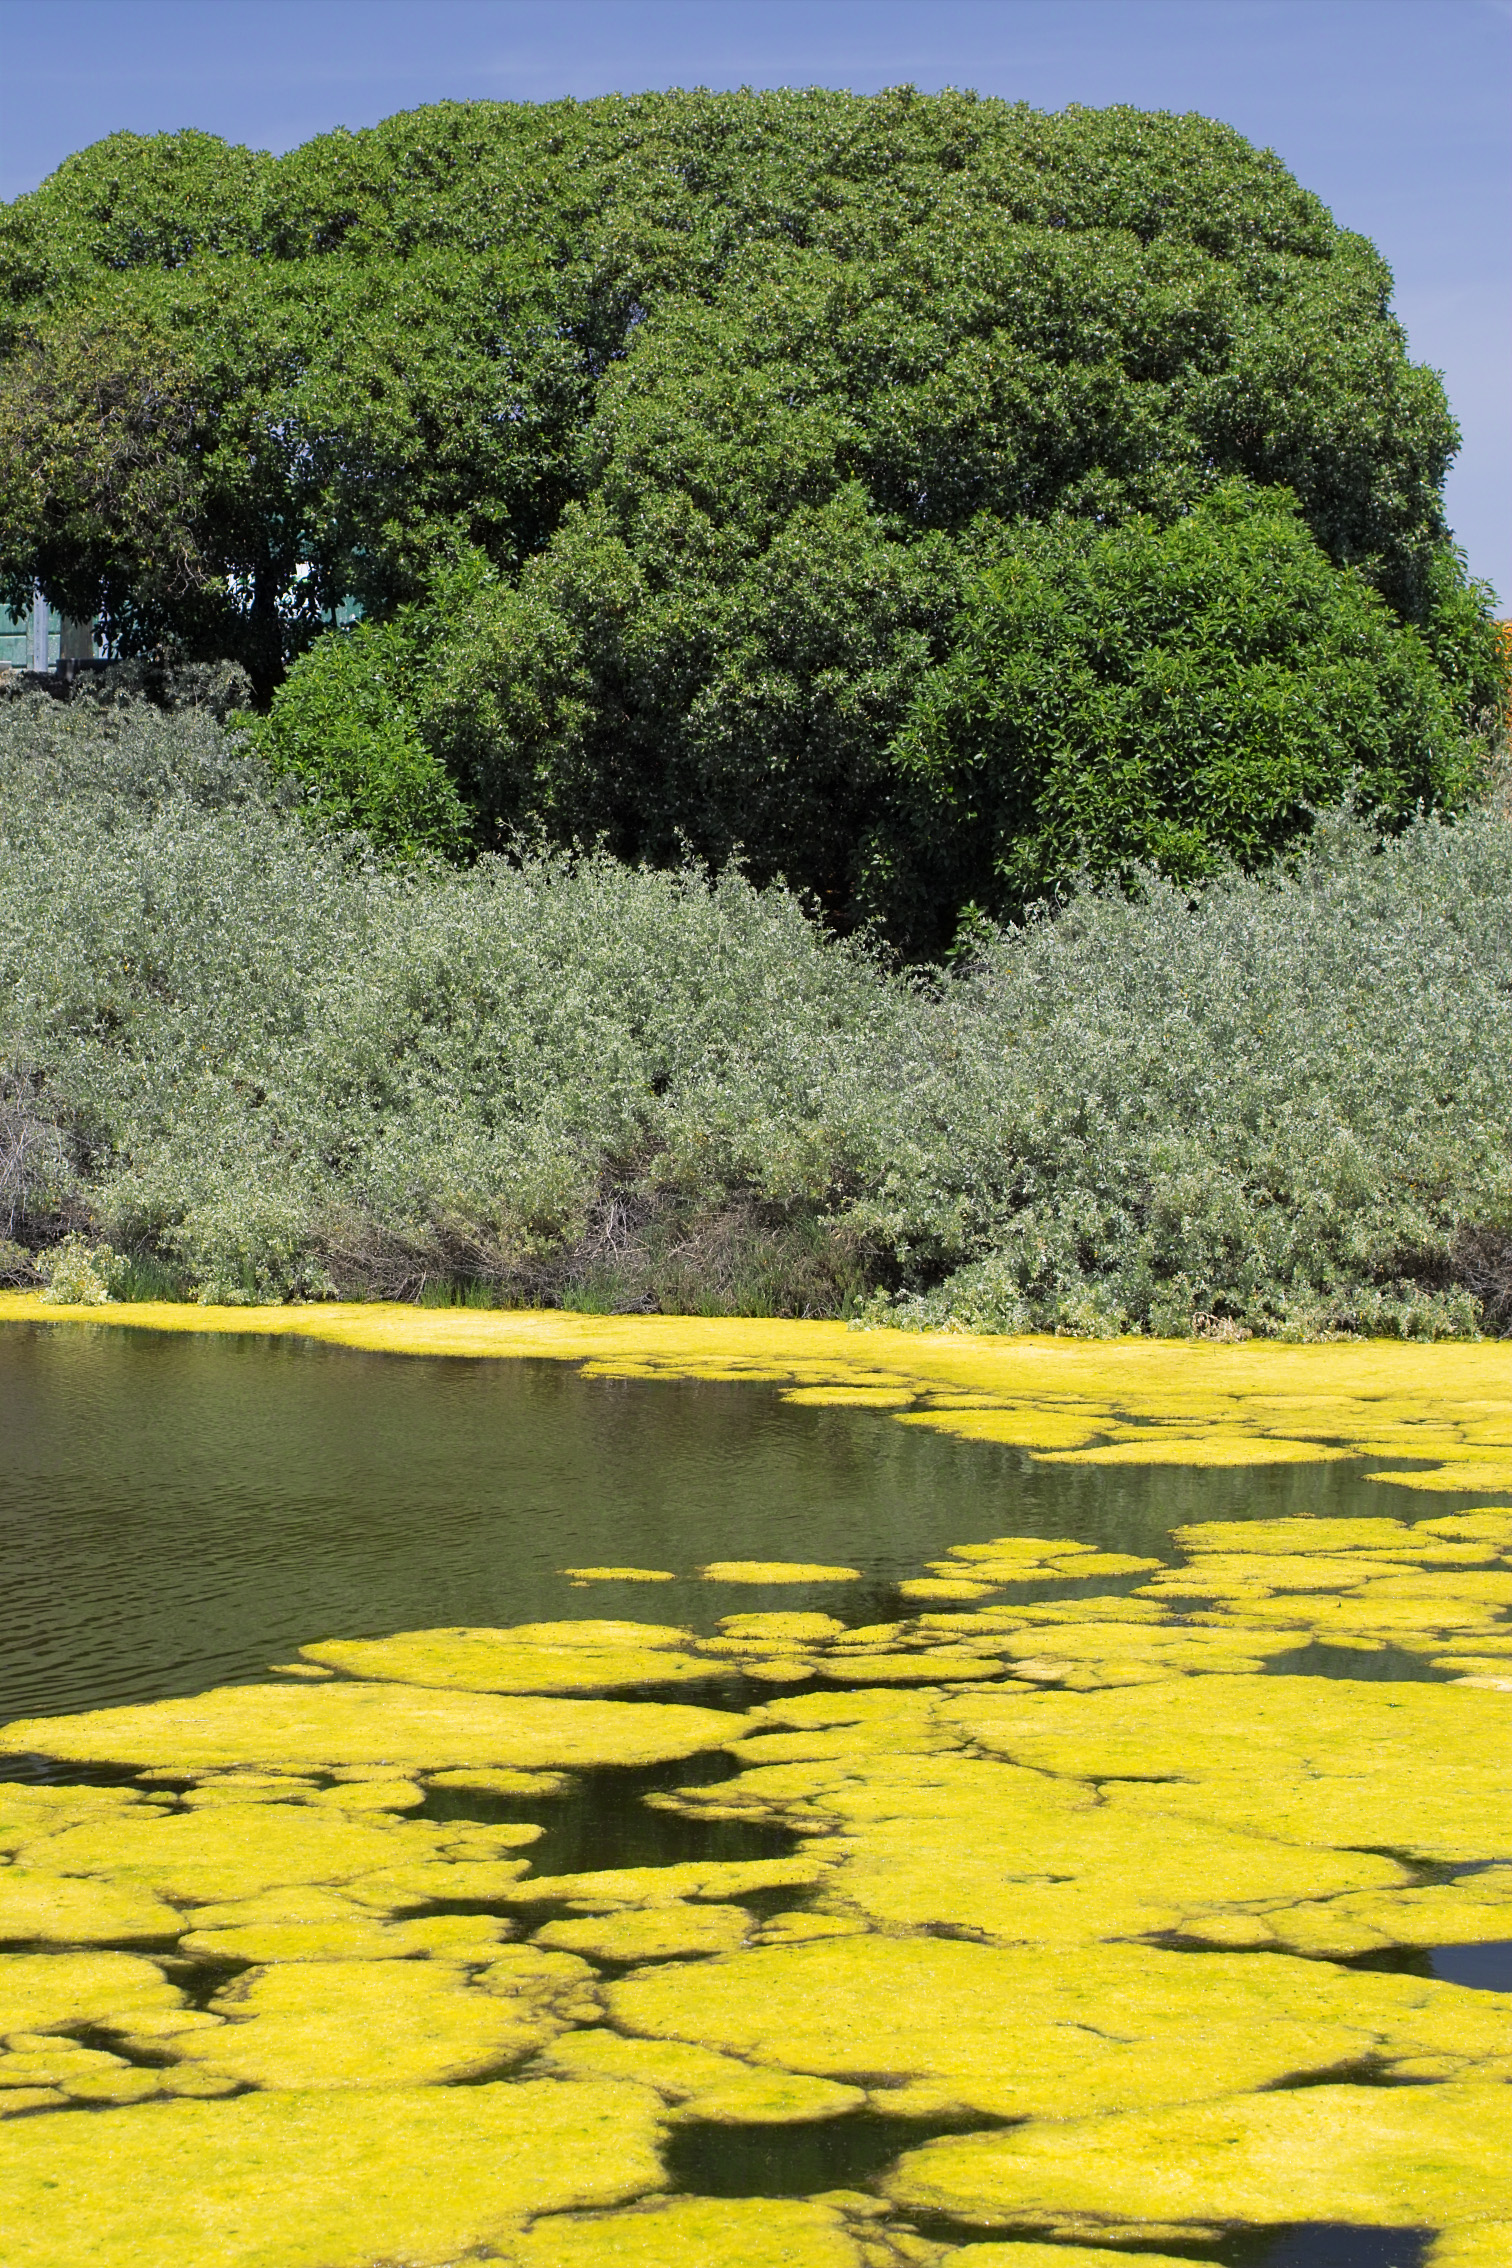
(1397, 112)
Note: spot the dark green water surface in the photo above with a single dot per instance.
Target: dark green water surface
(179, 1511)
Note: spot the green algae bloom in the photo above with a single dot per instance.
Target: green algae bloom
(232, 1850)
(607, 1890)
(995, 1570)
(940, 1665)
(318, 2181)
(502, 1782)
(37, 1907)
(780, 1629)
(1373, 2156)
(719, 2089)
(1015, 2034)
(352, 1723)
(694, 2232)
(454, 1937)
(390, 2023)
(1316, 1762)
(1474, 2244)
(660, 1933)
(943, 1587)
(620, 1574)
(1079, 1863)
(775, 1571)
(1061, 2256)
(539, 1657)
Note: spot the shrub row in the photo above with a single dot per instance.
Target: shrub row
(259, 1062)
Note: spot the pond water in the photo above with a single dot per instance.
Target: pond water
(183, 1511)
(177, 1512)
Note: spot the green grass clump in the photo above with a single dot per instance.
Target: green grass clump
(265, 1063)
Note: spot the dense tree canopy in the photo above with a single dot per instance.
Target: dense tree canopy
(688, 439)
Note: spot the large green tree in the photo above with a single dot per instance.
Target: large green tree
(678, 430)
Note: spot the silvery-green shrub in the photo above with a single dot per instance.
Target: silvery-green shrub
(79, 1274)
(279, 1065)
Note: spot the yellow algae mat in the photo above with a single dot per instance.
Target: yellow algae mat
(1444, 1409)
(1127, 1937)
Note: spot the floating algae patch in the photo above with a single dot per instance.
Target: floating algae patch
(39, 2073)
(769, 2099)
(1096, 1651)
(1474, 1910)
(1030, 2255)
(321, 2180)
(1011, 2033)
(620, 1574)
(1012, 1569)
(694, 2232)
(716, 2089)
(673, 2068)
(1290, 1541)
(780, 1629)
(1214, 1445)
(932, 1837)
(390, 2023)
(980, 1627)
(353, 1937)
(931, 1587)
(41, 1907)
(849, 1397)
(657, 1933)
(540, 1657)
(51, 1992)
(370, 1795)
(234, 1850)
(1314, 1761)
(963, 1846)
(1385, 1587)
(775, 1648)
(410, 1727)
(1024, 1552)
(94, 2078)
(1261, 1574)
(1482, 2243)
(28, 1811)
(609, 1889)
(1469, 1473)
(775, 1571)
(1488, 1526)
(938, 1665)
(501, 1782)
(1422, 2157)
(1419, 1621)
